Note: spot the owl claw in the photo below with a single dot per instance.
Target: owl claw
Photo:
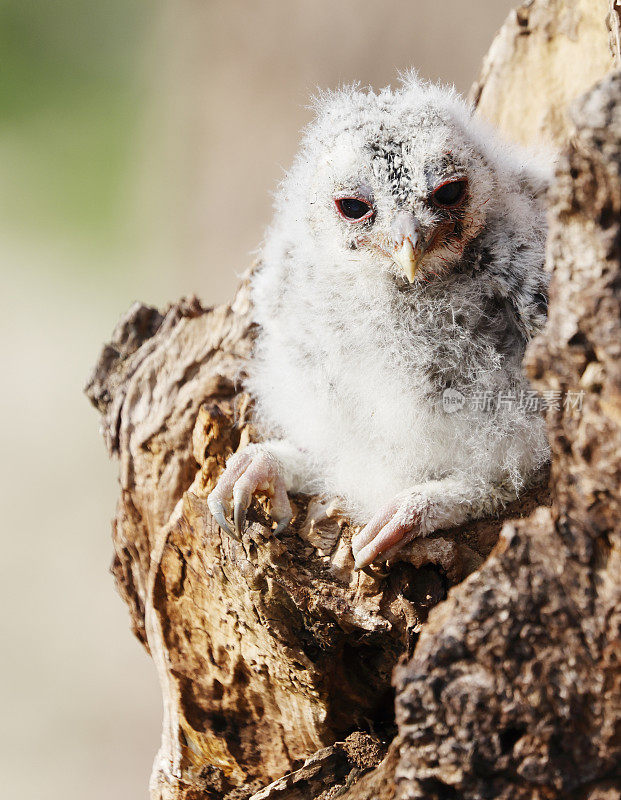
(252, 470)
(218, 515)
(393, 526)
(239, 517)
(282, 525)
(372, 572)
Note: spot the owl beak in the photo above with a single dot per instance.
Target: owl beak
(408, 244)
(408, 256)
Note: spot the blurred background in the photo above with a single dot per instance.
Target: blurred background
(139, 144)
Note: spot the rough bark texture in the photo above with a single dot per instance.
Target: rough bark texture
(547, 54)
(276, 660)
(270, 649)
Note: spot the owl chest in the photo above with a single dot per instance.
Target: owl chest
(366, 385)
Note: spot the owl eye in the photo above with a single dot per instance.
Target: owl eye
(450, 194)
(353, 209)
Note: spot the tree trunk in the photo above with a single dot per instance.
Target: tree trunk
(276, 660)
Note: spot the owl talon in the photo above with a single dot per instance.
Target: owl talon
(282, 525)
(219, 517)
(393, 526)
(239, 517)
(251, 471)
(373, 572)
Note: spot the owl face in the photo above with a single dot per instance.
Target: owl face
(397, 184)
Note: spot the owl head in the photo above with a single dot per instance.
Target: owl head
(402, 181)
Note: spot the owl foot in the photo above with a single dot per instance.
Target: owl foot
(393, 526)
(253, 470)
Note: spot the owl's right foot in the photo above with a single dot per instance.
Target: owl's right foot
(252, 471)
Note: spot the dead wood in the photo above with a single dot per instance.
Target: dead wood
(270, 649)
(276, 660)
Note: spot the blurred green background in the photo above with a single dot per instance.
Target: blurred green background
(70, 99)
(139, 144)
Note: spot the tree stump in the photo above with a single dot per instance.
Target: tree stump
(276, 660)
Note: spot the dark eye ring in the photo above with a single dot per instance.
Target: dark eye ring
(450, 193)
(353, 209)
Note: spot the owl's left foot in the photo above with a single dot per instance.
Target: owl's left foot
(393, 526)
(248, 472)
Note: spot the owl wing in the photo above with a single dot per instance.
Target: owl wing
(530, 305)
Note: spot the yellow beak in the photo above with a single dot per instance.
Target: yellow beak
(408, 257)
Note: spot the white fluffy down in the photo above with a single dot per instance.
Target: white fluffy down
(350, 365)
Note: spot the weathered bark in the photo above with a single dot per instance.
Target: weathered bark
(546, 55)
(267, 650)
(275, 658)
